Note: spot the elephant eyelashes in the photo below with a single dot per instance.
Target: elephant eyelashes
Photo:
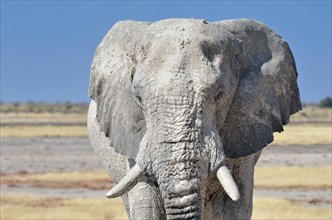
(138, 98)
(219, 95)
(210, 50)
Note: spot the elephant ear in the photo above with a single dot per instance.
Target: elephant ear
(118, 114)
(267, 94)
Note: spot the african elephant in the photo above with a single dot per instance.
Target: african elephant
(181, 109)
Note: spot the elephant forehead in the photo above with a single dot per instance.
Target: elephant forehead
(183, 25)
(181, 32)
(177, 56)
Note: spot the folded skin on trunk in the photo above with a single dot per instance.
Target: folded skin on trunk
(181, 175)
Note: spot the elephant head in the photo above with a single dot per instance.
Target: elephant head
(181, 95)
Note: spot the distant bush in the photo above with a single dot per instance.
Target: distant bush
(326, 102)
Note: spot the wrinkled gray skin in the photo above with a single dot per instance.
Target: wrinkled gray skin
(181, 98)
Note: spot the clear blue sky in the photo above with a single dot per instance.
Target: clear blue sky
(47, 46)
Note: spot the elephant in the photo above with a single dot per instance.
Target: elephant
(181, 110)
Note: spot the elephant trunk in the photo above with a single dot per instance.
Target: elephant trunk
(181, 176)
(178, 152)
(187, 206)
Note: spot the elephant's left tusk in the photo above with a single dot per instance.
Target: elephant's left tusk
(126, 182)
(228, 183)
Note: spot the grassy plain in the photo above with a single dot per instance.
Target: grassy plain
(294, 134)
(43, 131)
(272, 208)
(309, 127)
(35, 107)
(306, 178)
(37, 207)
(22, 206)
(32, 118)
(313, 114)
(304, 134)
(293, 177)
(90, 180)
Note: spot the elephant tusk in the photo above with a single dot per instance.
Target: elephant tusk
(228, 183)
(126, 182)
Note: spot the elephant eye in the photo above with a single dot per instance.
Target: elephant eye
(139, 99)
(210, 50)
(219, 95)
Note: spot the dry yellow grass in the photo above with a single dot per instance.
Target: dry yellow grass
(43, 131)
(69, 111)
(313, 113)
(69, 176)
(294, 134)
(44, 117)
(30, 106)
(272, 208)
(90, 180)
(36, 207)
(304, 134)
(265, 177)
(294, 177)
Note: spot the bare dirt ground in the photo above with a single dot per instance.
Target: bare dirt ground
(307, 156)
(41, 155)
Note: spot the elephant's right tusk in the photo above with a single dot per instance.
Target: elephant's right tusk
(228, 183)
(126, 182)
